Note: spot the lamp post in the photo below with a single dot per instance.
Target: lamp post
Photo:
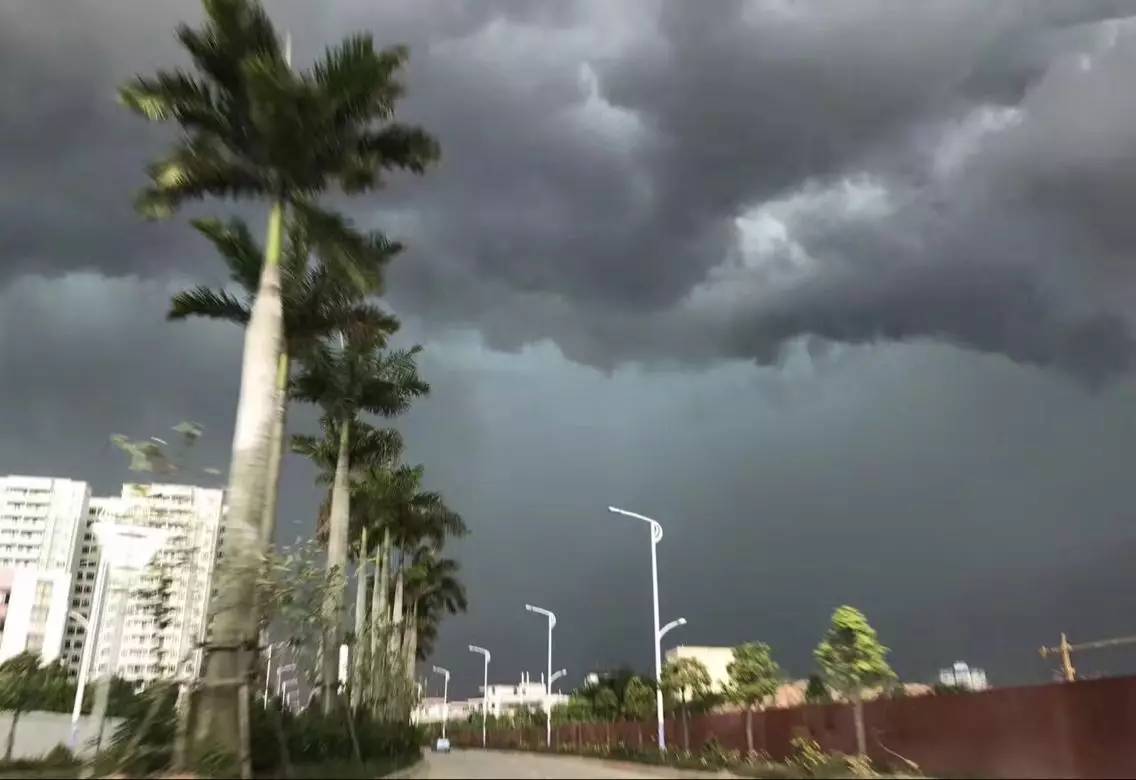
(656, 535)
(280, 670)
(554, 678)
(121, 547)
(548, 685)
(445, 695)
(484, 689)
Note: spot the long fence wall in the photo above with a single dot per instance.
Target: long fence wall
(1073, 730)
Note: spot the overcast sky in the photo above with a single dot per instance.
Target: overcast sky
(840, 293)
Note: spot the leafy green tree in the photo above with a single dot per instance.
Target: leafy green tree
(251, 127)
(25, 684)
(816, 692)
(607, 704)
(754, 677)
(638, 699)
(851, 658)
(688, 681)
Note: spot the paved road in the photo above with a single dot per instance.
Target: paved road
(479, 763)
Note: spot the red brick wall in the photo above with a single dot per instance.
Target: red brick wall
(1077, 730)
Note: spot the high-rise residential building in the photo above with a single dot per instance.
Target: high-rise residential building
(165, 605)
(41, 522)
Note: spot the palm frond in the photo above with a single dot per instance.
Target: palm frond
(240, 251)
(205, 302)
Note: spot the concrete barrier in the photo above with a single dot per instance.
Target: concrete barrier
(38, 732)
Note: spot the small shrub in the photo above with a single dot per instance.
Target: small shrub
(59, 756)
(807, 755)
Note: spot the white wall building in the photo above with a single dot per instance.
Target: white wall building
(41, 521)
(964, 676)
(184, 565)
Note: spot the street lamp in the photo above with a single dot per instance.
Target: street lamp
(280, 670)
(445, 695)
(656, 535)
(554, 678)
(484, 689)
(548, 685)
(121, 547)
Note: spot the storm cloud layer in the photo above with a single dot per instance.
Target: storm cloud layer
(911, 217)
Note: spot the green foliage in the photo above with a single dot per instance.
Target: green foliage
(754, 675)
(251, 126)
(850, 655)
(607, 704)
(638, 699)
(686, 680)
(807, 754)
(816, 692)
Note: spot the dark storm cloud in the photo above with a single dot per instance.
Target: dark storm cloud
(597, 157)
(679, 184)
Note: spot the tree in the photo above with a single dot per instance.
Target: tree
(816, 692)
(607, 704)
(638, 699)
(754, 677)
(687, 680)
(253, 128)
(316, 300)
(355, 376)
(25, 684)
(851, 658)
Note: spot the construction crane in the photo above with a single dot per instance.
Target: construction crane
(1066, 650)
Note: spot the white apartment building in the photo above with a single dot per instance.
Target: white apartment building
(41, 522)
(175, 587)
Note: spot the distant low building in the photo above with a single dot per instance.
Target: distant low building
(961, 675)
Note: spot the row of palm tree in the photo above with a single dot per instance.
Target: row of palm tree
(253, 127)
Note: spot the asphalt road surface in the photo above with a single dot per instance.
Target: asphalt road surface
(490, 763)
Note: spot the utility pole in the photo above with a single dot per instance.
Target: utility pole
(1066, 650)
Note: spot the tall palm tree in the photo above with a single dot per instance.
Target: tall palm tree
(347, 379)
(433, 588)
(251, 127)
(316, 299)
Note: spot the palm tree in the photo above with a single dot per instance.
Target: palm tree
(371, 448)
(355, 376)
(432, 588)
(251, 127)
(316, 300)
(376, 500)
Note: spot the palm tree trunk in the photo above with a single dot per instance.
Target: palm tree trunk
(411, 631)
(394, 648)
(379, 613)
(232, 617)
(357, 654)
(396, 609)
(337, 528)
(276, 454)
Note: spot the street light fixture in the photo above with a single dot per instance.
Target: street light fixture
(548, 684)
(556, 677)
(656, 536)
(445, 695)
(484, 689)
(121, 548)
